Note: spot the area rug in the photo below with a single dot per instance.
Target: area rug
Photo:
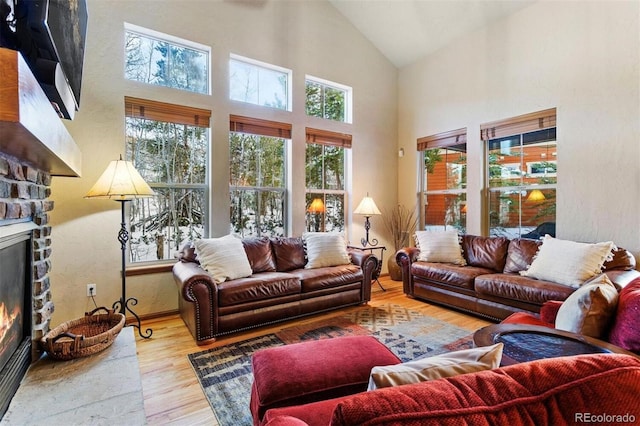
(225, 372)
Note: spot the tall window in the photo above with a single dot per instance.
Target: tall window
(329, 100)
(522, 174)
(169, 145)
(444, 180)
(325, 179)
(259, 83)
(155, 58)
(257, 186)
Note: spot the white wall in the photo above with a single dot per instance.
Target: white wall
(308, 37)
(582, 58)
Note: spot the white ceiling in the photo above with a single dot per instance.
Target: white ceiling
(407, 30)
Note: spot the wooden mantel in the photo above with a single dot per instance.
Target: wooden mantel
(30, 129)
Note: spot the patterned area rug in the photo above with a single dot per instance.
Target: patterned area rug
(225, 372)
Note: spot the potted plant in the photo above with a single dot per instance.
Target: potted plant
(401, 223)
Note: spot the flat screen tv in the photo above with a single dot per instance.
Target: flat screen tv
(51, 36)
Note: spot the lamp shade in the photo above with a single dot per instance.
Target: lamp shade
(536, 196)
(316, 206)
(120, 181)
(367, 207)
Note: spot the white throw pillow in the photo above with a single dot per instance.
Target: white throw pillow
(223, 258)
(437, 367)
(590, 309)
(439, 246)
(325, 249)
(568, 262)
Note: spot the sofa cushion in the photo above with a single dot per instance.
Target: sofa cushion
(549, 391)
(625, 331)
(289, 252)
(265, 285)
(327, 277)
(325, 249)
(520, 254)
(525, 318)
(436, 367)
(439, 246)
(568, 262)
(446, 273)
(223, 258)
(524, 289)
(485, 252)
(590, 309)
(259, 254)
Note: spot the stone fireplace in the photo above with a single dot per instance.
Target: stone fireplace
(34, 146)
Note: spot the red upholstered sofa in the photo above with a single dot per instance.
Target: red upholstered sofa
(603, 388)
(490, 284)
(279, 289)
(622, 331)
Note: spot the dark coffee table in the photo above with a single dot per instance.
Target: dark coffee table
(530, 342)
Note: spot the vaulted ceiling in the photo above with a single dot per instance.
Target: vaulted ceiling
(407, 30)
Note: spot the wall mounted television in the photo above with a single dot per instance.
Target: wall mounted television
(51, 36)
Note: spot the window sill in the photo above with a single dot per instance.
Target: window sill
(147, 269)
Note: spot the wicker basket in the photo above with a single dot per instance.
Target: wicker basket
(84, 336)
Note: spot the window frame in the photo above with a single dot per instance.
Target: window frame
(444, 140)
(518, 127)
(348, 101)
(269, 67)
(176, 41)
(257, 127)
(326, 138)
(145, 109)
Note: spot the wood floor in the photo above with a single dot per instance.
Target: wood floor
(172, 394)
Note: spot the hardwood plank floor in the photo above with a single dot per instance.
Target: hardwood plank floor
(172, 394)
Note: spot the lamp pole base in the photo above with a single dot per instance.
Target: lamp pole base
(122, 306)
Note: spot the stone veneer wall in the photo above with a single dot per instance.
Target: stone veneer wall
(23, 195)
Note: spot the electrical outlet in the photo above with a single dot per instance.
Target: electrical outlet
(91, 290)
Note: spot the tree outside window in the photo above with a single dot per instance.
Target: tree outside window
(325, 180)
(257, 183)
(154, 58)
(172, 158)
(259, 83)
(328, 100)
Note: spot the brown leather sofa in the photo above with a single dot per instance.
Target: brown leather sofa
(490, 285)
(280, 288)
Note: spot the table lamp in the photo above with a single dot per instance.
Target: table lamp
(367, 208)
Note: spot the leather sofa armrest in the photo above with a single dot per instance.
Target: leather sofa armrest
(368, 263)
(198, 288)
(404, 258)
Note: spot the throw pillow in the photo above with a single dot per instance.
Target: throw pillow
(437, 367)
(325, 249)
(568, 262)
(439, 246)
(590, 309)
(625, 331)
(223, 258)
(289, 252)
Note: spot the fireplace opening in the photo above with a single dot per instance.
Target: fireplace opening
(15, 313)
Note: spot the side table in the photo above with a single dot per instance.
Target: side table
(530, 342)
(376, 272)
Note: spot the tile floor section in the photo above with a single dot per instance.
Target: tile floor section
(101, 389)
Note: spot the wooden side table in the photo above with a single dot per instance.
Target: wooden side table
(376, 272)
(530, 342)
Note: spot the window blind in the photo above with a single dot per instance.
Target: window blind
(257, 126)
(161, 111)
(517, 125)
(443, 140)
(326, 137)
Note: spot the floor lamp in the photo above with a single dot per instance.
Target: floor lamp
(122, 182)
(367, 208)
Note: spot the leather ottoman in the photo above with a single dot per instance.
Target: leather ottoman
(314, 371)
